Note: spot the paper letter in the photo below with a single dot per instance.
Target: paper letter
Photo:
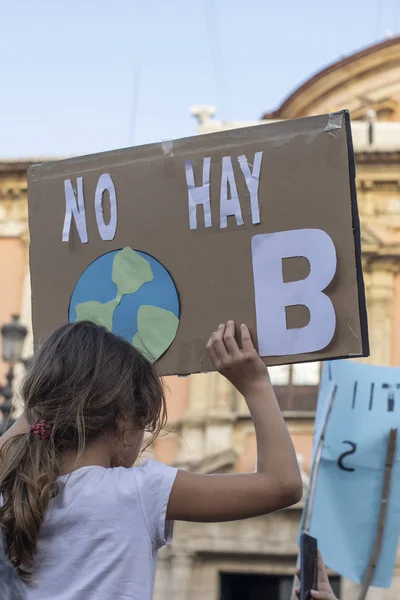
(76, 209)
(273, 295)
(198, 195)
(229, 206)
(252, 181)
(105, 183)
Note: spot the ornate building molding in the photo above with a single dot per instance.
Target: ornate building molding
(367, 80)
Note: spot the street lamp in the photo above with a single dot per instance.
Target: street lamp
(13, 335)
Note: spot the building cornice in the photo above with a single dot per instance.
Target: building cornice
(20, 165)
(335, 75)
(374, 157)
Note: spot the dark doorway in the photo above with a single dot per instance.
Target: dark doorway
(251, 586)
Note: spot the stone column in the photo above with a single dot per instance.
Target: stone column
(221, 396)
(209, 394)
(162, 586)
(181, 574)
(191, 443)
(379, 280)
(367, 204)
(26, 301)
(200, 390)
(25, 313)
(207, 427)
(191, 450)
(219, 416)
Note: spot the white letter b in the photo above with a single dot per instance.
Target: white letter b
(273, 295)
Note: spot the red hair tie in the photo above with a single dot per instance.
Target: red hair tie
(41, 429)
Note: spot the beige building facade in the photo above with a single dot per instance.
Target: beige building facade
(211, 430)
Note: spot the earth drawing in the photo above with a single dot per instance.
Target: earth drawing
(131, 294)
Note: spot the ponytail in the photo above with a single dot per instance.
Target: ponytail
(28, 480)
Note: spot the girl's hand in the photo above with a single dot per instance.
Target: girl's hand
(325, 591)
(241, 366)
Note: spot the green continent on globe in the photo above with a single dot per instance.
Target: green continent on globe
(101, 314)
(157, 329)
(129, 272)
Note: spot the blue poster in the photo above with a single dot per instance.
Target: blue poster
(350, 476)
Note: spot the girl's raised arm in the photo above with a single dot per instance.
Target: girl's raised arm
(276, 483)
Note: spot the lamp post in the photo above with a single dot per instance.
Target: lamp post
(13, 335)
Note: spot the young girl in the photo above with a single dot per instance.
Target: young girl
(79, 522)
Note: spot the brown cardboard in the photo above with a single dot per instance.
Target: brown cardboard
(306, 181)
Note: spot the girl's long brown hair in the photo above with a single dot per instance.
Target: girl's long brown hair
(82, 381)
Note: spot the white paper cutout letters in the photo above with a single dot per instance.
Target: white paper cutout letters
(273, 295)
(105, 183)
(75, 207)
(229, 197)
(198, 196)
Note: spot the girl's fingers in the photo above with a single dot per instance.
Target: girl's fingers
(230, 341)
(322, 572)
(218, 344)
(212, 354)
(297, 592)
(322, 595)
(222, 347)
(247, 343)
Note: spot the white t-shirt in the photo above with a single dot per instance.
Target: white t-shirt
(102, 533)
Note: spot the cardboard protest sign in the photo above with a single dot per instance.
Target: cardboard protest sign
(161, 243)
(347, 500)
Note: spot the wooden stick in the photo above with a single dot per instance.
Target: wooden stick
(307, 510)
(315, 467)
(369, 573)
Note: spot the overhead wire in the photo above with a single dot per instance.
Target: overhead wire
(396, 16)
(135, 101)
(379, 19)
(216, 57)
(136, 81)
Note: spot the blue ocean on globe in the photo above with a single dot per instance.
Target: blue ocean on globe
(96, 284)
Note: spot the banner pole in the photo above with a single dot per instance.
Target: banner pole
(369, 573)
(307, 510)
